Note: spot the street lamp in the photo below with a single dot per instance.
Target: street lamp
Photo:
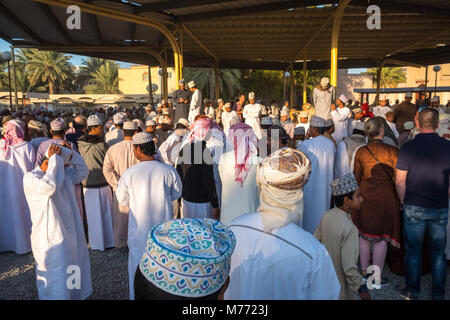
(6, 56)
(286, 76)
(436, 69)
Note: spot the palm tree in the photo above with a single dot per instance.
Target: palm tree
(229, 81)
(267, 84)
(89, 66)
(49, 67)
(390, 77)
(105, 79)
(3, 75)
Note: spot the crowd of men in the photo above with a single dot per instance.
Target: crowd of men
(231, 200)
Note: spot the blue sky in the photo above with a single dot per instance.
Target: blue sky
(76, 59)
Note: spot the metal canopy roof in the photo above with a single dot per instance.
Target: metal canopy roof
(264, 34)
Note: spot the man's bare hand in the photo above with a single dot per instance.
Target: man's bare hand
(54, 149)
(217, 213)
(66, 144)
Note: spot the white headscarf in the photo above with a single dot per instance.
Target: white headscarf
(280, 178)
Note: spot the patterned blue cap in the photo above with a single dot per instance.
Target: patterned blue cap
(188, 257)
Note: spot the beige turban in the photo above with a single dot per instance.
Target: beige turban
(39, 126)
(280, 178)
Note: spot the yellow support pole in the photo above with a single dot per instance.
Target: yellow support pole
(304, 80)
(335, 40)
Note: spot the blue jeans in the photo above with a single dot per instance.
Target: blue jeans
(416, 221)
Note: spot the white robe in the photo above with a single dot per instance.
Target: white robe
(15, 221)
(264, 267)
(99, 205)
(196, 104)
(148, 189)
(251, 114)
(114, 136)
(393, 128)
(170, 148)
(340, 117)
(236, 199)
(57, 237)
(317, 191)
(342, 163)
(196, 210)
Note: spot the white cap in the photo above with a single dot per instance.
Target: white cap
(150, 123)
(382, 97)
(94, 120)
(130, 125)
(184, 122)
(408, 95)
(57, 124)
(251, 95)
(343, 98)
(284, 113)
(324, 82)
(435, 99)
(142, 138)
(408, 125)
(318, 122)
(191, 84)
(219, 101)
(119, 118)
(329, 123)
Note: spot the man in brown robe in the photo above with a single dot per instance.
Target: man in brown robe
(405, 111)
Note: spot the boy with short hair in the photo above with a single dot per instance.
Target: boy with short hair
(340, 236)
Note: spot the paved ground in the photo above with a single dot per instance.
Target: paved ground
(110, 277)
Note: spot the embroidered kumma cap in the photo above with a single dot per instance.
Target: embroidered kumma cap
(119, 118)
(130, 125)
(317, 122)
(94, 120)
(57, 124)
(344, 185)
(142, 138)
(188, 257)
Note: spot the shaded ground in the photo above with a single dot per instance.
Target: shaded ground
(110, 277)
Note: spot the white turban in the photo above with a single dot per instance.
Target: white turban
(251, 95)
(280, 178)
